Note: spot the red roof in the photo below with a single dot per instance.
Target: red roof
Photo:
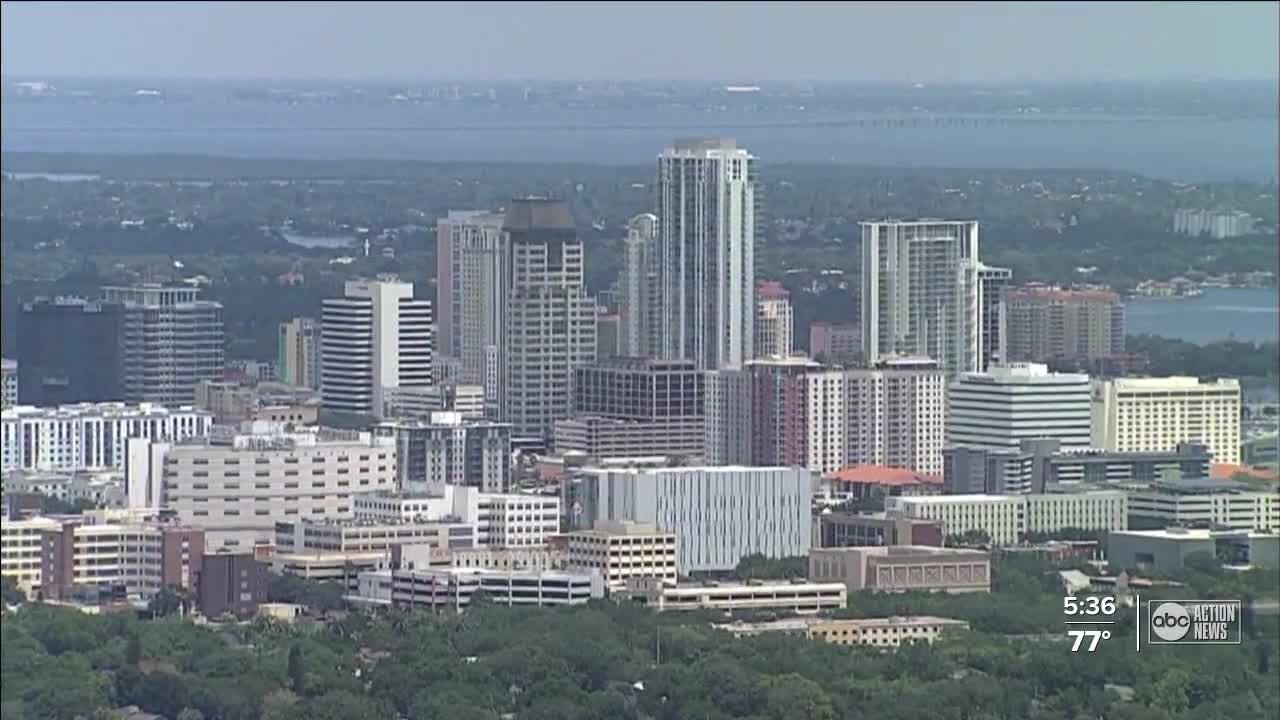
(1225, 471)
(880, 475)
(771, 290)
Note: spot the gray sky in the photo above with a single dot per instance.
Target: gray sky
(731, 42)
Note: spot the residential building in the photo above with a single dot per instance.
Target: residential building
(993, 338)
(638, 289)
(298, 353)
(1038, 464)
(999, 408)
(761, 510)
(89, 436)
(890, 632)
(635, 407)
(471, 285)
(550, 320)
(1204, 503)
(1049, 323)
(706, 253)
(846, 529)
(607, 329)
(903, 568)
(775, 322)
(171, 340)
(237, 487)
(920, 292)
(374, 338)
(727, 437)
(1220, 224)
(619, 551)
(231, 584)
(835, 342)
(796, 596)
(1155, 414)
(8, 383)
(449, 451)
(70, 350)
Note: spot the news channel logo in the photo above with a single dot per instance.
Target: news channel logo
(1193, 622)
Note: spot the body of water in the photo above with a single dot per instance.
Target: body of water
(1180, 148)
(313, 241)
(1249, 314)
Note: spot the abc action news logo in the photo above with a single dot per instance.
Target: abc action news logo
(1193, 622)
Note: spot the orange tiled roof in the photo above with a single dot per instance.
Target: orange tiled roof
(1225, 471)
(881, 475)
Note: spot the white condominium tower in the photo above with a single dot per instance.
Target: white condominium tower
(550, 319)
(376, 338)
(706, 214)
(638, 288)
(172, 340)
(470, 295)
(920, 291)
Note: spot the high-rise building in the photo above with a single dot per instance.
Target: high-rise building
(298, 353)
(448, 451)
(920, 292)
(705, 248)
(1155, 414)
(835, 342)
(70, 351)
(1000, 408)
(1047, 323)
(638, 289)
(993, 306)
(471, 284)
(172, 341)
(727, 417)
(774, 320)
(376, 338)
(608, 326)
(8, 383)
(550, 319)
(635, 407)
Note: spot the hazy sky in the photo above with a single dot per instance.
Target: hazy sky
(730, 42)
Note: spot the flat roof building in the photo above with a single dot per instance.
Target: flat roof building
(903, 568)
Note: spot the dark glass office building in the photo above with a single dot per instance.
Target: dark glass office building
(69, 351)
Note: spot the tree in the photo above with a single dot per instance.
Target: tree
(297, 674)
(165, 602)
(133, 650)
(10, 593)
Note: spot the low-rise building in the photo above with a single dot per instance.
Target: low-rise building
(619, 551)
(450, 450)
(454, 588)
(890, 632)
(1006, 518)
(1040, 463)
(846, 529)
(1167, 549)
(902, 568)
(231, 584)
(797, 596)
(500, 519)
(1205, 503)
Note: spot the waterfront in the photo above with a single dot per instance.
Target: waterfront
(1251, 314)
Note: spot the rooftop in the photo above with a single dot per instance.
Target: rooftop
(1060, 295)
(771, 290)
(881, 475)
(538, 213)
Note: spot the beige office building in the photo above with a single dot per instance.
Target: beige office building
(902, 568)
(619, 551)
(888, 632)
(1155, 414)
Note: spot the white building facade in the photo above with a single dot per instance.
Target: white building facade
(706, 253)
(89, 436)
(998, 409)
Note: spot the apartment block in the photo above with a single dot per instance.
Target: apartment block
(1049, 323)
(238, 486)
(635, 407)
(298, 353)
(1155, 414)
(903, 568)
(619, 551)
(8, 383)
(446, 450)
(171, 340)
(89, 436)
(471, 252)
(775, 321)
(638, 289)
(764, 510)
